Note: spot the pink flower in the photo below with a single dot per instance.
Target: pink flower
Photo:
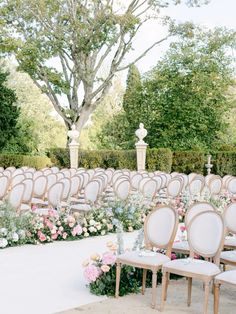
(173, 256)
(77, 230)
(54, 236)
(182, 228)
(64, 235)
(108, 258)
(49, 224)
(52, 213)
(41, 236)
(33, 208)
(91, 273)
(105, 268)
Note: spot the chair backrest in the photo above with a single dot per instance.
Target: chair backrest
(174, 187)
(76, 184)
(28, 192)
(230, 217)
(215, 185)
(196, 185)
(122, 190)
(196, 209)
(60, 176)
(55, 169)
(225, 180)
(91, 191)
(16, 194)
(55, 194)
(37, 174)
(66, 190)
(17, 172)
(149, 189)
(28, 175)
(206, 233)
(86, 179)
(4, 185)
(158, 179)
(40, 186)
(191, 176)
(142, 182)
(52, 179)
(135, 180)
(231, 185)
(17, 179)
(160, 228)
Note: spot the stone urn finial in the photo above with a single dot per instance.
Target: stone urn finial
(73, 134)
(141, 133)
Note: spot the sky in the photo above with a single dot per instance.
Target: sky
(216, 13)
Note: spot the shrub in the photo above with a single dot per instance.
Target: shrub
(17, 161)
(159, 159)
(189, 161)
(224, 162)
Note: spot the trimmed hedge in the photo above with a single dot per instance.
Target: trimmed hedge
(159, 159)
(224, 162)
(37, 162)
(189, 161)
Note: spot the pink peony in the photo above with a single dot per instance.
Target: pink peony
(54, 236)
(173, 256)
(49, 224)
(41, 236)
(77, 230)
(91, 273)
(108, 258)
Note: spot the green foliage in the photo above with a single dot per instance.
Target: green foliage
(159, 159)
(37, 162)
(224, 162)
(9, 112)
(189, 161)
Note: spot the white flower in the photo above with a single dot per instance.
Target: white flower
(98, 227)
(92, 229)
(21, 233)
(53, 231)
(103, 232)
(92, 222)
(3, 231)
(15, 237)
(3, 243)
(86, 234)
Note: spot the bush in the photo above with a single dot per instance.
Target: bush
(159, 159)
(17, 161)
(189, 161)
(224, 162)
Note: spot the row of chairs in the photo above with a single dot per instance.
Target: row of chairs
(206, 230)
(51, 186)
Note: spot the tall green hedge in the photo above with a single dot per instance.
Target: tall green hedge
(37, 162)
(189, 161)
(224, 162)
(159, 159)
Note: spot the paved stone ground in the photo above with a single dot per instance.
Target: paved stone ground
(176, 302)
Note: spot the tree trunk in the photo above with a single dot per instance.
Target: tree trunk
(84, 117)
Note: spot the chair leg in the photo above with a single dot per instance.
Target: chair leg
(154, 288)
(164, 288)
(118, 270)
(144, 281)
(167, 283)
(190, 280)
(207, 290)
(216, 297)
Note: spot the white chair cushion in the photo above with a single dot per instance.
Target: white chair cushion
(25, 207)
(134, 257)
(42, 211)
(38, 201)
(227, 276)
(230, 241)
(180, 245)
(229, 256)
(81, 207)
(195, 266)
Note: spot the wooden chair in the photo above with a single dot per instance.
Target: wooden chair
(159, 231)
(228, 277)
(206, 233)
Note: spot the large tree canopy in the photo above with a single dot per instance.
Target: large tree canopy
(183, 100)
(9, 112)
(73, 48)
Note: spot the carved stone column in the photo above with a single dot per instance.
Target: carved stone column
(73, 146)
(141, 147)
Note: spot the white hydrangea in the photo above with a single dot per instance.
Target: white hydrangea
(3, 232)
(3, 242)
(15, 237)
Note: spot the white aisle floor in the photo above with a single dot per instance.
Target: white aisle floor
(45, 279)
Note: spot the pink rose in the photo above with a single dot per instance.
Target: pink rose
(49, 224)
(54, 236)
(64, 235)
(173, 256)
(33, 208)
(182, 228)
(41, 236)
(77, 230)
(108, 258)
(91, 273)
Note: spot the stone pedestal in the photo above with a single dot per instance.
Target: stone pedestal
(74, 152)
(141, 149)
(73, 146)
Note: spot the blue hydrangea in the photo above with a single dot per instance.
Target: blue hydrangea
(119, 210)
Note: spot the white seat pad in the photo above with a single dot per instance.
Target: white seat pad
(230, 241)
(38, 201)
(25, 207)
(81, 207)
(134, 257)
(229, 256)
(180, 245)
(194, 266)
(42, 211)
(227, 276)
